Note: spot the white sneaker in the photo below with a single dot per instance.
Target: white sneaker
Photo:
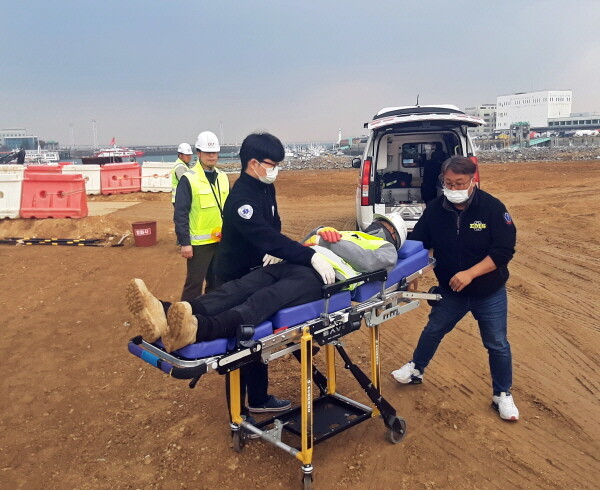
(407, 374)
(505, 406)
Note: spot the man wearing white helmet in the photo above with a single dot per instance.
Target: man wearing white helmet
(199, 199)
(182, 165)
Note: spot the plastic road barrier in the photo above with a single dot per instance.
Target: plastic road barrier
(53, 196)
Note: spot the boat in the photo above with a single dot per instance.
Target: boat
(121, 152)
(41, 157)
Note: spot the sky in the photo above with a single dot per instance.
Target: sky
(158, 73)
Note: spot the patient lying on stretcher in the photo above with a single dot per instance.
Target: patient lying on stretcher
(264, 291)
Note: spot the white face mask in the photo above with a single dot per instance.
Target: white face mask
(457, 196)
(270, 175)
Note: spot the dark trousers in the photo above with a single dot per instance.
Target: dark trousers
(253, 298)
(266, 290)
(491, 315)
(198, 269)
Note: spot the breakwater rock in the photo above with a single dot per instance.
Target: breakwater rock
(537, 154)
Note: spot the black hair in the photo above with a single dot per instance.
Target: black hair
(261, 146)
(459, 165)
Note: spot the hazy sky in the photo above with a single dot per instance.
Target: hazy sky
(159, 72)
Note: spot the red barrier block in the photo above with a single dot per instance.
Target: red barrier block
(53, 196)
(42, 169)
(120, 178)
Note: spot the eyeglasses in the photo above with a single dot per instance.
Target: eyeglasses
(459, 186)
(270, 164)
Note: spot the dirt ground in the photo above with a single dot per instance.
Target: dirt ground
(78, 411)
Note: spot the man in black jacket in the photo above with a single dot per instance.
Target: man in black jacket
(473, 239)
(252, 238)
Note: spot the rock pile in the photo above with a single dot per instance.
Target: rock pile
(558, 153)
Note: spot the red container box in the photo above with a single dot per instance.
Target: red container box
(53, 196)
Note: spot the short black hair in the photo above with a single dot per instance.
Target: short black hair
(261, 146)
(459, 165)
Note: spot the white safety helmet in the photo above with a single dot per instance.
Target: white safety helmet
(395, 219)
(207, 141)
(185, 148)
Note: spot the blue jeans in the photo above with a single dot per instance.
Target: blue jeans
(490, 312)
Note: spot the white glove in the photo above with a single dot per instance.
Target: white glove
(324, 268)
(270, 260)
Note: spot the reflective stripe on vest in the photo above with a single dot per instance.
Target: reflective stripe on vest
(205, 214)
(343, 270)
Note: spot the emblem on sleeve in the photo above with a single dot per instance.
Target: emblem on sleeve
(507, 219)
(246, 211)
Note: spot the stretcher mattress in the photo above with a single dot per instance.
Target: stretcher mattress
(411, 258)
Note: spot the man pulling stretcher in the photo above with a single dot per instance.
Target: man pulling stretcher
(264, 291)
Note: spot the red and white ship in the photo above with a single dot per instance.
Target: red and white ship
(115, 151)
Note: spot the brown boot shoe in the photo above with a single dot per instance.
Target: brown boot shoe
(182, 326)
(148, 314)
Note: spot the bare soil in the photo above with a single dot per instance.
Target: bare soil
(78, 411)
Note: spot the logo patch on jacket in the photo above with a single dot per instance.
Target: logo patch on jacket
(246, 211)
(507, 219)
(477, 226)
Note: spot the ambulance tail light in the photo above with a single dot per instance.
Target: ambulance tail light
(365, 179)
(476, 177)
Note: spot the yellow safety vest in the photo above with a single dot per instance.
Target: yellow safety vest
(340, 266)
(363, 240)
(174, 179)
(207, 204)
(343, 270)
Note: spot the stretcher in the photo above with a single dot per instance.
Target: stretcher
(380, 297)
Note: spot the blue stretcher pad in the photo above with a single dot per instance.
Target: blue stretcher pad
(411, 258)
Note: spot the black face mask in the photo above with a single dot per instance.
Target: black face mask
(378, 230)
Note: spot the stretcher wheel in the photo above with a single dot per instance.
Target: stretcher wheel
(396, 434)
(307, 481)
(433, 290)
(239, 441)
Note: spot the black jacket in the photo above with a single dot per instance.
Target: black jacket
(462, 239)
(251, 229)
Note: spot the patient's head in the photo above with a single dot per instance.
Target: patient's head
(390, 227)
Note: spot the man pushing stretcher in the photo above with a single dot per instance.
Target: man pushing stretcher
(264, 291)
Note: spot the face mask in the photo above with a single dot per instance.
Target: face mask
(380, 231)
(457, 196)
(270, 176)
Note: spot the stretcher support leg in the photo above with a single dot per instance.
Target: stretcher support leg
(375, 364)
(306, 402)
(330, 361)
(235, 402)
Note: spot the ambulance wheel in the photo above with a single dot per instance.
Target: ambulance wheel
(396, 434)
(307, 481)
(239, 441)
(433, 290)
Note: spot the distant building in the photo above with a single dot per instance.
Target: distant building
(583, 121)
(535, 108)
(487, 112)
(13, 139)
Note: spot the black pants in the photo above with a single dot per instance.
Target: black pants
(258, 295)
(198, 269)
(254, 298)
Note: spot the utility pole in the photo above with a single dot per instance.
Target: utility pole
(221, 130)
(95, 134)
(72, 136)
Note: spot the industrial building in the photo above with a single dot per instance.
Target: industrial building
(487, 112)
(13, 139)
(535, 108)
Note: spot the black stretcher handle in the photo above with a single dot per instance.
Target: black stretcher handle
(331, 289)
